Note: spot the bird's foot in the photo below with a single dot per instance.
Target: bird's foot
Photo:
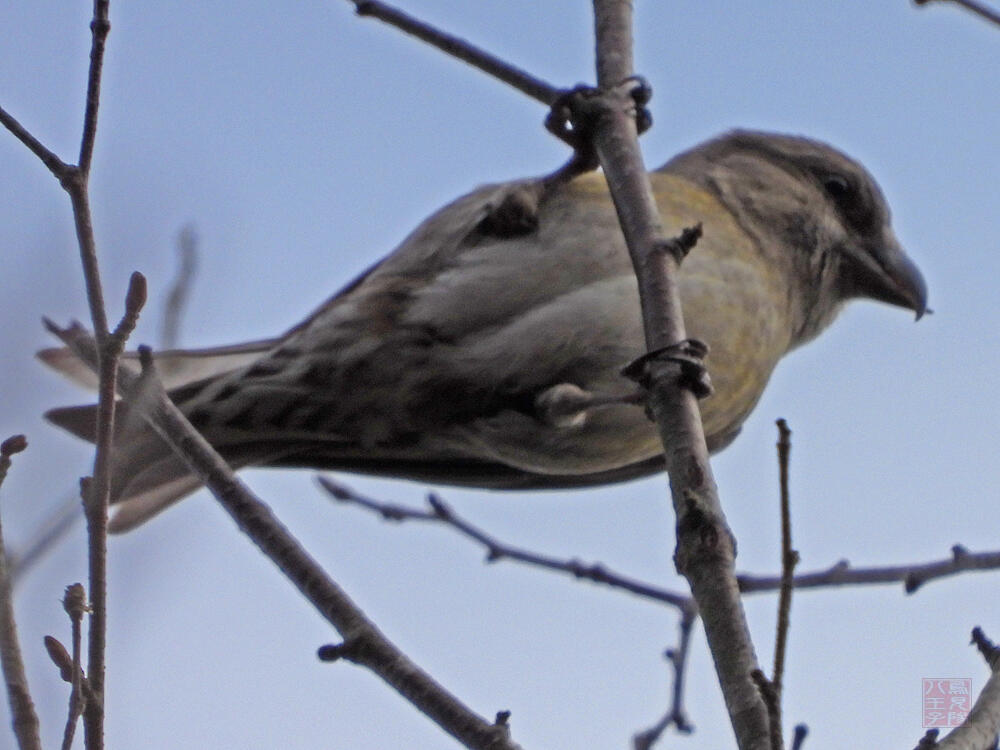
(688, 355)
(573, 114)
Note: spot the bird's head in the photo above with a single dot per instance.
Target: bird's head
(814, 211)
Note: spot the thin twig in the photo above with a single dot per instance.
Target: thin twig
(981, 10)
(461, 49)
(840, 574)
(799, 735)
(789, 559)
(100, 26)
(773, 702)
(496, 550)
(911, 576)
(705, 551)
(62, 519)
(97, 492)
(55, 165)
(363, 643)
(22, 708)
(75, 604)
(980, 728)
(675, 715)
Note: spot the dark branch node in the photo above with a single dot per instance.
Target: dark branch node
(332, 651)
(928, 741)
(502, 719)
(699, 535)
(100, 27)
(799, 735)
(680, 246)
(986, 647)
(13, 444)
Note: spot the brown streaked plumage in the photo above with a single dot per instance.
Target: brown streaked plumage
(441, 363)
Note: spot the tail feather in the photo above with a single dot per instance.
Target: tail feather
(77, 420)
(146, 476)
(140, 508)
(175, 367)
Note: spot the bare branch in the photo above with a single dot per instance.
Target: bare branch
(912, 576)
(980, 728)
(55, 165)
(100, 26)
(364, 643)
(74, 180)
(789, 559)
(22, 708)
(981, 10)
(773, 702)
(705, 552)
(96, 492)
(496, 550)
(75, 604)
(461, 49)
(676, 715)
(840, 574)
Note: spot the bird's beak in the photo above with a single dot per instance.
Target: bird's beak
(886, 274)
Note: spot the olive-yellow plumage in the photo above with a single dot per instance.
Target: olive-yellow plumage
(442, 362)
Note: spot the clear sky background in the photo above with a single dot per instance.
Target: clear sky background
(304, 143)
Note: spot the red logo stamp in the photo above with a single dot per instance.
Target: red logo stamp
(946, 701)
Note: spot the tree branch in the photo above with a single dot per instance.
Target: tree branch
(981, 10)
(22, 708)
(676, 715)
(364, 643)
(705, 551)
(789, 559)
(911, 576)
(980, 728)
(496, 550)
(460, 49)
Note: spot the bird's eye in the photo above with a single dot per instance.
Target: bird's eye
(838, 187)
(851, 200)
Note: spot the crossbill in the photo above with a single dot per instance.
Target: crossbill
(487, 349)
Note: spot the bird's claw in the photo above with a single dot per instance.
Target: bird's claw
(573, 114)
(688, 355)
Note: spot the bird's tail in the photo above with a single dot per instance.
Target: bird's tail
(146, 476)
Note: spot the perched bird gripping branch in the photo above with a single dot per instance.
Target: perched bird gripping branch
(487, 349)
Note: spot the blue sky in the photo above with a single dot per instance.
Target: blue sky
(304, 143)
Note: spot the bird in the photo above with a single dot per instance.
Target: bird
(487, 349)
